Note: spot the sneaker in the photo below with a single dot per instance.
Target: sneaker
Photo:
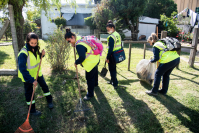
(115, 87)
(160, 91)
(50, 105)
(36, 113)
(151, 93)
(86, 98)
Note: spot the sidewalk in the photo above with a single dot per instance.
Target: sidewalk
(5, 44)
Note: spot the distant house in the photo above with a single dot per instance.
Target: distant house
(146, 27)
(75, 21)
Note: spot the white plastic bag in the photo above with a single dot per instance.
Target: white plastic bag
(146, 71)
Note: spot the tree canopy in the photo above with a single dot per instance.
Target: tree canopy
(19, 20)
(156, 7)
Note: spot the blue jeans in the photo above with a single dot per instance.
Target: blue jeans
(164, 70)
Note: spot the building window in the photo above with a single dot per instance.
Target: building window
(79, 27)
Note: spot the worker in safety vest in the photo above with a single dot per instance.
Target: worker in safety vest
(114, 44)
(28, 62)
(87, 60)
(168, 61)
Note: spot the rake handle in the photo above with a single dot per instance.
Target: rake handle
(77, 75)
(34, 90)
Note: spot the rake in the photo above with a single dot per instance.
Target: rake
(81, 106)
(26, 127)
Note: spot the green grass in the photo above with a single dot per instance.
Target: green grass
(4, 40)
(126, 109)
(187, 56)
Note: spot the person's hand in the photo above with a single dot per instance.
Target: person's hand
(43, 52)
(107, 60)
(35, 83)
(75, 65)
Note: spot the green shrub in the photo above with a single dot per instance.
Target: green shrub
(60, 21)
(58, 50)
(29, 27)
(170, 24)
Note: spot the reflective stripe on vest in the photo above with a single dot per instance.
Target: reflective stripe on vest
(28, 103)
(47, 94)
(117, 44)
(32, 64)
(28, 60)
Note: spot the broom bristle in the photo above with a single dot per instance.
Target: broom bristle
(25, 128)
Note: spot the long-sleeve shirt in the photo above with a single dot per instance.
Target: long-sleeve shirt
(111, 47)
(156, 52)
(81, 52)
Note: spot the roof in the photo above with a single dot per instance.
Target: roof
(145, 19)
(76, 19)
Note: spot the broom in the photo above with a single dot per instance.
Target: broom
(26, 127)
(81, 106)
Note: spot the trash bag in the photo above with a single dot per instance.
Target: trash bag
(146, 71)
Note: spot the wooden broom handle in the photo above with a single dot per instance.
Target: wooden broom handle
(77, 74)
(34, 89)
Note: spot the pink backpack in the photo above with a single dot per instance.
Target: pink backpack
(93, 42)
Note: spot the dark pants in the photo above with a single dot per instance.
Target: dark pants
(113, 73)
(29, 90)
(164, 70)
(92, 80)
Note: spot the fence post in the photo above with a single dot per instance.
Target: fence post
(129, 60)
(179, 53)
(144, 50)
(96, 33)
(163, 34)
(194, 44)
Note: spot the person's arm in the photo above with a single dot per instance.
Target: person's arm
(111, 47)
(156, 52)
(22, 60)
(81, 52)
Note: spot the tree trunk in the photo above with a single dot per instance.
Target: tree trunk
(19, 30)
(6, 36)
(19, 23)
(4, 28)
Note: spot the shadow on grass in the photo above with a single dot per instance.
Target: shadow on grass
(106, 120)
(196, 75)
(183, 78)
(178, 110)
(141, 116)
(3, 56)
(13, 109)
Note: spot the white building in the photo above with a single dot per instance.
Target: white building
(146, 27)
(75, 21)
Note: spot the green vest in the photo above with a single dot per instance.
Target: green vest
(91, 60)
(32, 64)
(167, 56)
(117, 38)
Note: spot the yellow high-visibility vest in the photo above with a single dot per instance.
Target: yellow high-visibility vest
(167, 56)
(117, 38)
(32, 64)
(91, 60)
